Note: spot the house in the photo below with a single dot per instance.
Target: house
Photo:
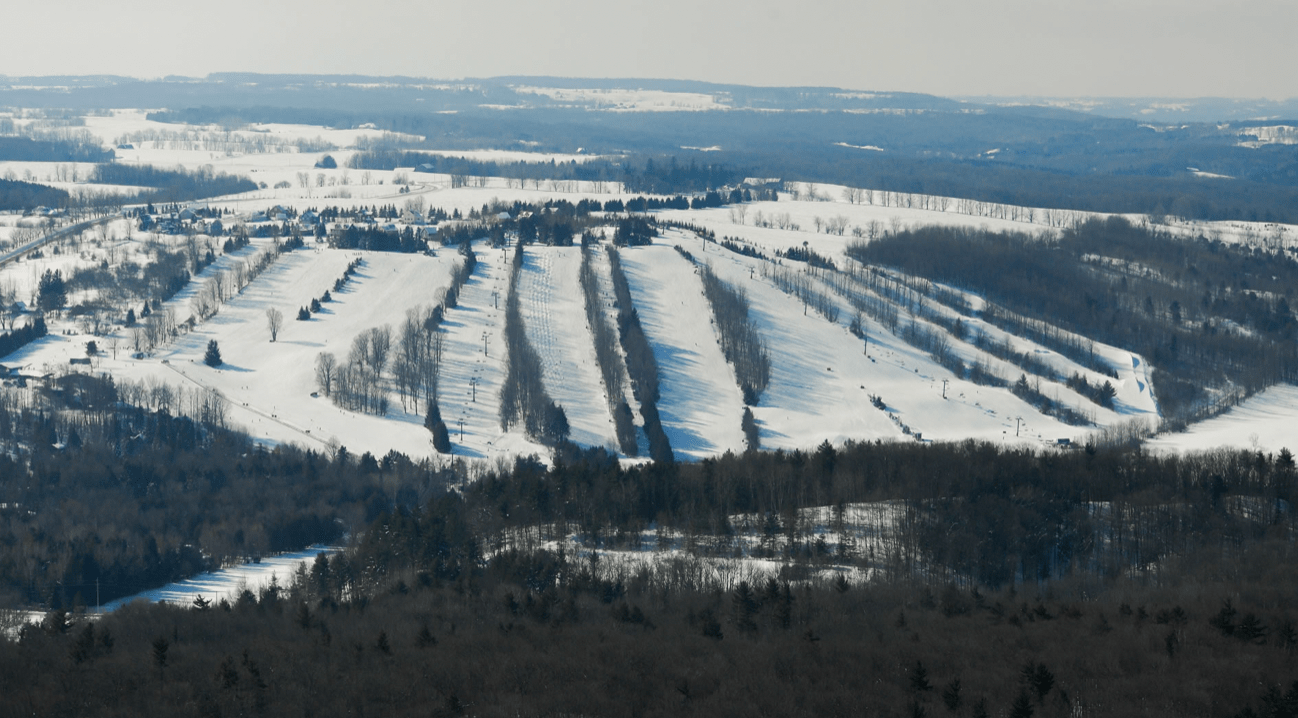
(188, 215)
(80, 360)
(215, 228)
(309, 218)
(126, 146)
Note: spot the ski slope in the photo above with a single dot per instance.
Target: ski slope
(554, 314)
(473, 366)
(700, 405)
(822, 379)
(1266, 422)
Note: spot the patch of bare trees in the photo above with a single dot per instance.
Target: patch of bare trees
(802, 286)
(641, 366)
(737, 334)
(357, 384)
(418, 357)
(611, 367)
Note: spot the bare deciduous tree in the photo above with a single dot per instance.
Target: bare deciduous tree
(274, 322)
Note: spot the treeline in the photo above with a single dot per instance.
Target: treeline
(175, 185)
(969, 513)
(15, 339)
(523, 398)
(612, 370)
(1172, 300)
(377, 239)
(740, 341)
(641, 366)
(15, 195)
(665, 176)
(26, 149)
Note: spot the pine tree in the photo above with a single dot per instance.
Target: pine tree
(1022, 707)
(919, 677)
(212, 357)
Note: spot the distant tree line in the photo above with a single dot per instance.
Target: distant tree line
(664, 176)
(175, 185)
(26, 149)
(15, 195)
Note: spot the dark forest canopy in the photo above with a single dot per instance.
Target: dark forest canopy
(16, 195)
(172, 185)
(26, 149)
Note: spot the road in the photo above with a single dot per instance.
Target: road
(13, 255)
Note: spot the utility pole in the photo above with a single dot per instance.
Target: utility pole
(474, 383)
(1017, 421)
(944, 382)
(461, 431)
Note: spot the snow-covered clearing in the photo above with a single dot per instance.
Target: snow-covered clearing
(555, 316)
(858, 542)
(1266, 422)
(229, 582)
(701, 405)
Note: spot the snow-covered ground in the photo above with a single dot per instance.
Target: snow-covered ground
(473, 369)
(1266, 422)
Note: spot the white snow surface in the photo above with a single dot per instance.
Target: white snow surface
(1266, 422)
(700, 405)
(554, 314)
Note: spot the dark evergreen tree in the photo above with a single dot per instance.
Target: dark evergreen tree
(212, 357)
(52, 291)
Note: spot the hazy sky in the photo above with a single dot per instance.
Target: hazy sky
(1186, 48)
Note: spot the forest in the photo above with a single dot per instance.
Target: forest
(1004, 596)
(171, 185)
(16, 195)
